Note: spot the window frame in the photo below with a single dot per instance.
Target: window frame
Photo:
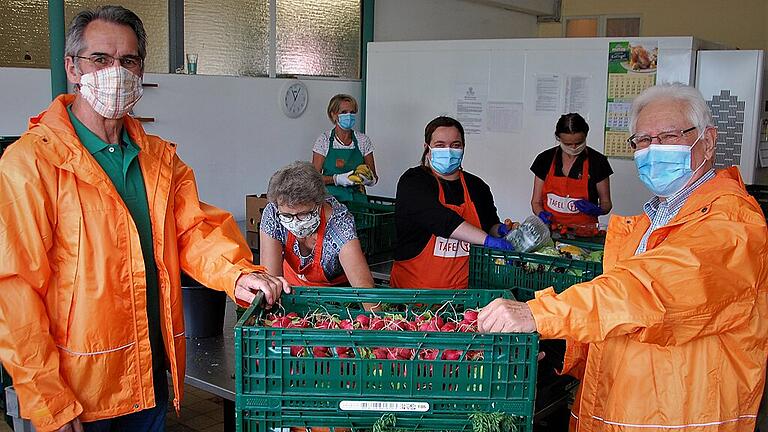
(602, 23)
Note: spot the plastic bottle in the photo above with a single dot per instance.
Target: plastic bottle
(531, 235)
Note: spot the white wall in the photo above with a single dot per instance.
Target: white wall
(23, 94)
(230, 130)
(401, 20)
(410, 83)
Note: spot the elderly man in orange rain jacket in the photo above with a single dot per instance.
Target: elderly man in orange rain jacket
(673, 335)
(97, 219)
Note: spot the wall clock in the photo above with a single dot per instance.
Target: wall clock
(294, 98)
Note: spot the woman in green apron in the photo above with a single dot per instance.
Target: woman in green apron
(344, 156)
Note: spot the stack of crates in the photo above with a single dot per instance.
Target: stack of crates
(375, 223)
(12, 406)
(275, 389)
(526, 273)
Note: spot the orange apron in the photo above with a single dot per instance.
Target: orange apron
(444, 262)
(560, 194)
(312, 274)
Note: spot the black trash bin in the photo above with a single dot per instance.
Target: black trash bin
(203, 309)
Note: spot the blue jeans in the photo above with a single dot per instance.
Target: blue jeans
(148, 420)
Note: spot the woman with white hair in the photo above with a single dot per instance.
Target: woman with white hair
(307, 236)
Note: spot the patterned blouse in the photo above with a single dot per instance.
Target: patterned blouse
(340, 229)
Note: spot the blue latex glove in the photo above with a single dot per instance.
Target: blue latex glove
(498, 243)
(503, 230)
(588, 207)
(545, 217)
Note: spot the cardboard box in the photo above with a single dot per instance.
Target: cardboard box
(253, 239)
(254, 207)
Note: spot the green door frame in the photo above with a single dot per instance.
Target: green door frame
(56, 32)
(366, 11)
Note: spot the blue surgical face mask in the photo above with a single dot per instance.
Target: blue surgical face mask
(445, 160)
(347, 120)
(665, 169)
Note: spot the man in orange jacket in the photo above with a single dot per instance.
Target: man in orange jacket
(673, 335)
(97, 219)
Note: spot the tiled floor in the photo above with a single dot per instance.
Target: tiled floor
(200, 412)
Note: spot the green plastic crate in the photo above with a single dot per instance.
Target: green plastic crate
(588, 243)
(375, 223)
(525, 273)
(760, 193)
(274, 389)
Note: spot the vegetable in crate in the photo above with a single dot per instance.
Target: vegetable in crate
(427, 321)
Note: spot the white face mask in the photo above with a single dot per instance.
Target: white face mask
(302, 229)
(573, 151)
(112, 91)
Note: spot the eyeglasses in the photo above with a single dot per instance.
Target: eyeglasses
(101, 61)
(670, 137)
(303, 216)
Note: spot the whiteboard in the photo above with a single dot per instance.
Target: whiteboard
(410, 83)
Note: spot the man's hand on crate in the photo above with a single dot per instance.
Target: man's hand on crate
(249, 284)
(506, 316)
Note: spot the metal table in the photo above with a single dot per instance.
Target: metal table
(211, 365)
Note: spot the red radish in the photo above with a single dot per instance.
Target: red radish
(377, 324)
(470, 315)
(439, 321)
(451, 355)
(346, 325)
(401, 353)
(429, 326)
(321, 351)
(363, 320)
(428, 354)
(448, 327)
(380, 353)
(411, 326)
(345, 352)
(298, 351)
(292, 315)
(475, 355)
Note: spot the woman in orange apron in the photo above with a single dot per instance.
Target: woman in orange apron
(571, 185)
(439, 211)
(307, 236)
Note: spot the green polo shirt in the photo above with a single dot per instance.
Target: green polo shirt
(121, 164)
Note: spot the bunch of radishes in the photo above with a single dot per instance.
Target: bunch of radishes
(427, 321)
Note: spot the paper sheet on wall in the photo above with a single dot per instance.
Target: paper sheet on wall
(577, 95)
(505, 117)
(470, 106)
(547, 92)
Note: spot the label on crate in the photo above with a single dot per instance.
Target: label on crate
(356, 405)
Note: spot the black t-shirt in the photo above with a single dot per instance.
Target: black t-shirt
(599, 168)
(419, 214)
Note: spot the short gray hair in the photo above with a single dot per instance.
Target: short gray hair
(697, 109)
(113, 14)
(296, 184)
